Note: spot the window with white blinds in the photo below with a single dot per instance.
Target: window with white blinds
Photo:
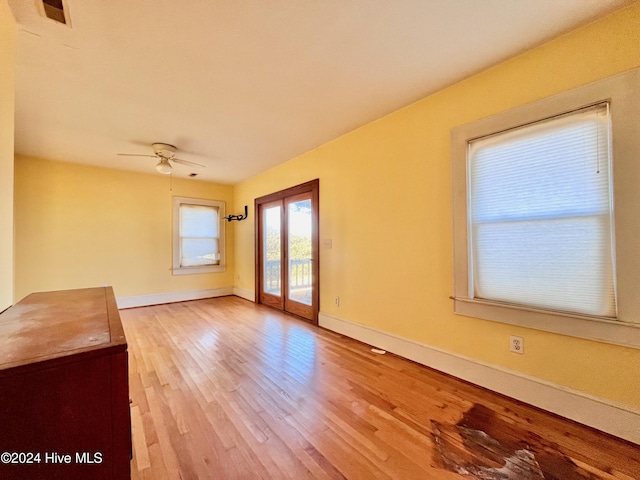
(546, 224)
(540, 214)
(198, 235)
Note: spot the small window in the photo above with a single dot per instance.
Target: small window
(545, 213)
(198, 236)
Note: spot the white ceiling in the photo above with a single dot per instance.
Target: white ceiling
(243, 85)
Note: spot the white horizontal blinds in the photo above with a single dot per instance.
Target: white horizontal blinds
(541, 215)
(199, 235)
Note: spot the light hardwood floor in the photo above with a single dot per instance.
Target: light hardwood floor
(225, 389)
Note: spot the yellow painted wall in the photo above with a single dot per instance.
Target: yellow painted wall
(385, 193)
(7, 124)
(82, 226)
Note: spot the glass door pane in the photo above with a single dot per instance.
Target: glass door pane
(272, 248)
(287, 254)
(300, 273)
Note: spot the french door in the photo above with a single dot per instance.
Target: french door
(287, 243)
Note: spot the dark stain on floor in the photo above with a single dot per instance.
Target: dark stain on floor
(485, 446)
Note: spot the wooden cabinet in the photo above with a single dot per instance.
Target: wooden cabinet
(64, 391)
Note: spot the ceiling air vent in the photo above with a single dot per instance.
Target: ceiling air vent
(54, 10)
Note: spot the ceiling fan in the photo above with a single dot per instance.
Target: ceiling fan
(165, 153)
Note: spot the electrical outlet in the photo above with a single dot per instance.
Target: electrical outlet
(337, 301)
(516, 344)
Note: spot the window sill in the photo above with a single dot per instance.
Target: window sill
(590, 328)
(196, 270)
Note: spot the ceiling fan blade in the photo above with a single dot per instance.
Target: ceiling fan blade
(187, 162)
(135, 155)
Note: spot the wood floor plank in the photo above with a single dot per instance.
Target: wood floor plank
(226, 389)
(139, 440)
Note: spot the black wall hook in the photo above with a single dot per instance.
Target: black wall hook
(238, 217)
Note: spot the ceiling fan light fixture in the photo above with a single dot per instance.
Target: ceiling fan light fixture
(166, 155)
(163, 166)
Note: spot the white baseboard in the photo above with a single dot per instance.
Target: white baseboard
(172, 297)
(244, 293)
(617, 419)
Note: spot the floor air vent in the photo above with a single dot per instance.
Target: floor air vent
(54, 10)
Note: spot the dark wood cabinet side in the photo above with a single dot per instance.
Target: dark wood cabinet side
(64, 394)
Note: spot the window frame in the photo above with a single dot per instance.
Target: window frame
(177, 269)
(622, 92)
